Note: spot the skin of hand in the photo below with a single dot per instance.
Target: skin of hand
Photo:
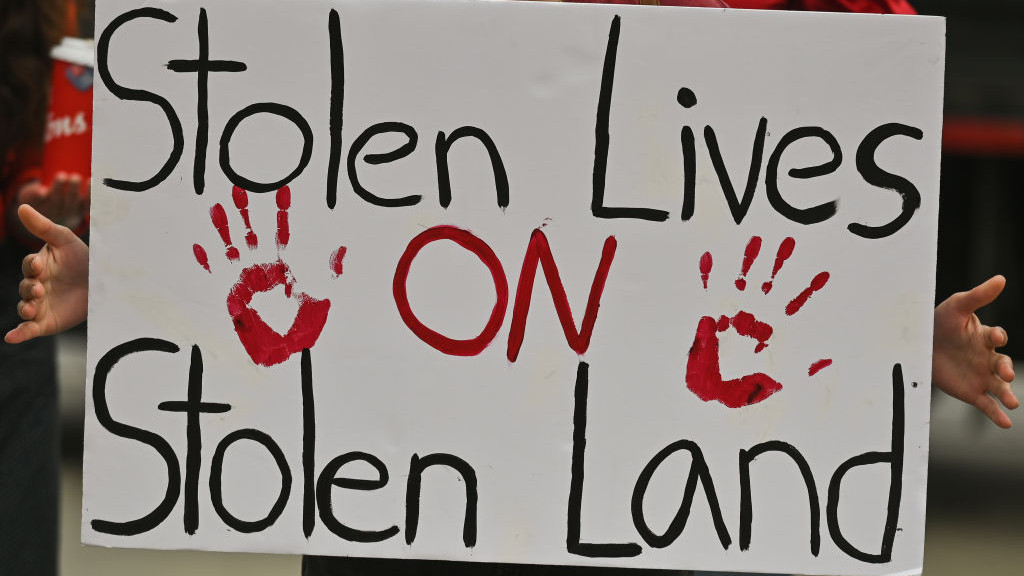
(65, 201)
(55, 290)
(965, 364)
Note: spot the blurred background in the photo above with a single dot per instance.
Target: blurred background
(976, 477)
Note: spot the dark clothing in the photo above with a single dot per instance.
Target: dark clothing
(28, 439)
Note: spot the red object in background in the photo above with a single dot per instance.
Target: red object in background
(869, 6)
(68, 139)
(875, 6)
(983, 136)
(697, 3)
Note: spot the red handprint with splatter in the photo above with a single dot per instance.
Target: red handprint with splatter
(703, 373)
(265, 345)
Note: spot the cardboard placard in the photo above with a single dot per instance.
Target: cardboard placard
(513, 282)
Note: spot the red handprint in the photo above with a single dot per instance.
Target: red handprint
(264, 344)
(703, 375)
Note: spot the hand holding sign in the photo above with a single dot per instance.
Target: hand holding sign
(964, 361)
(55, 289)
(265, 345)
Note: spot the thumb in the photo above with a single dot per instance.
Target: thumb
(43, 228)
(981, 295)
(22, 332)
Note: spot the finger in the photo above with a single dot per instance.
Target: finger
(30, 289)
(59, 186)
(1005, 370)
(981, 295)
(1004, 392)
(65, 190)
(990, 408)
(74, 189)
(44, 228)
(73, 198)
(26, 310)
(30, 266)
(32, 193)
(22, 332)
(995, 337)
(1001, 365)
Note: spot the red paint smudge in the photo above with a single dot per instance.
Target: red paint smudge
(336, 259)
(284, 198)
(817, 366)
(284, 202)
(746, 325)
(704, 377)
(220, 222)
(241, 199)
(749, 255)
(797, 303)
(785, 251)
(283, 234)
(264, 345)
(201, 257)
(705, 268)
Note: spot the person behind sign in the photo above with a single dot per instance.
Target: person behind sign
(28, 387)
(965, 363)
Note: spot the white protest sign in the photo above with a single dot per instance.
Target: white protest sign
(513, 282)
